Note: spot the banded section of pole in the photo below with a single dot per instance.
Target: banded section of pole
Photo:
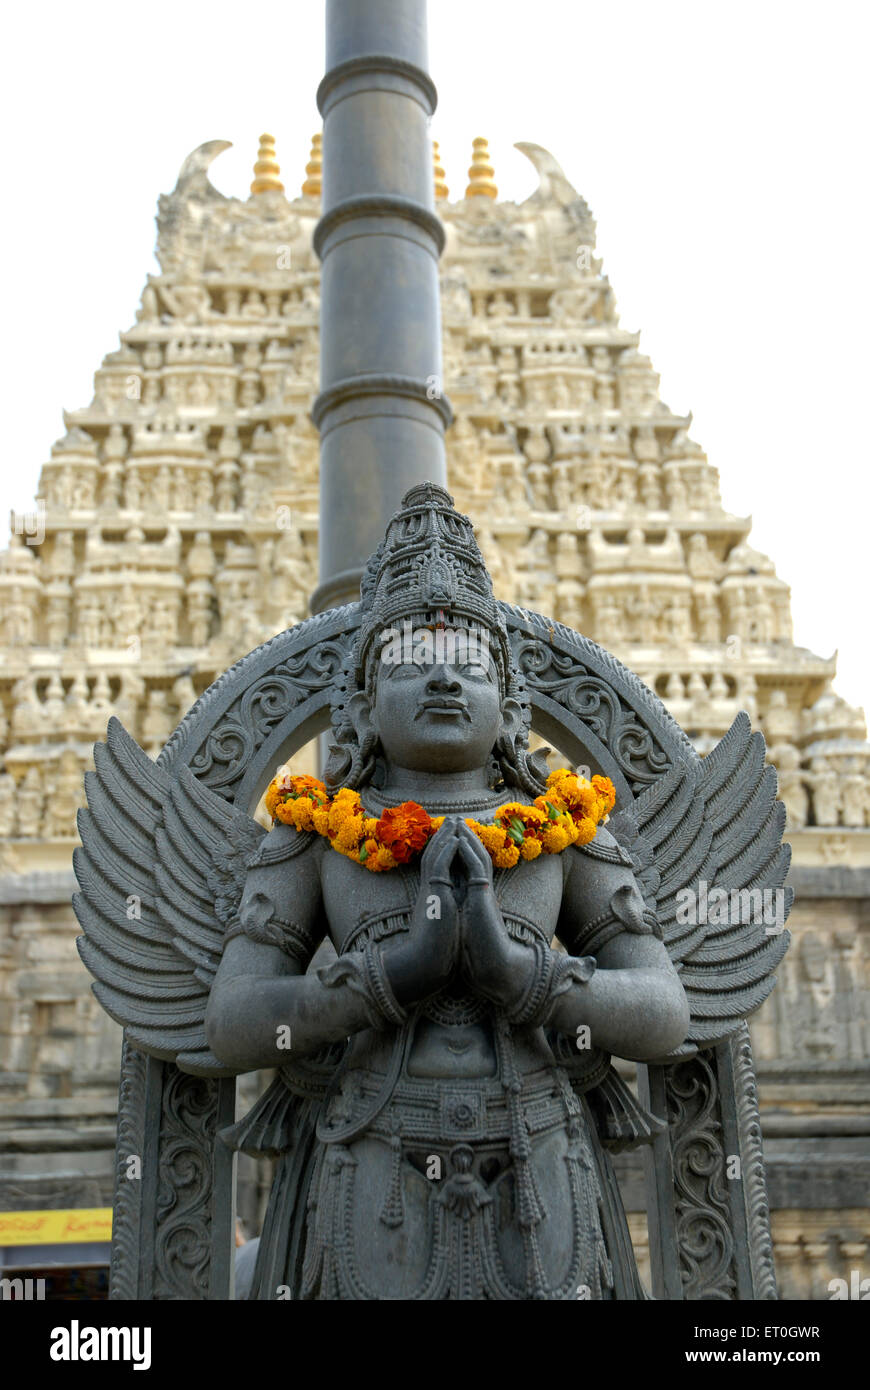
(381, 411)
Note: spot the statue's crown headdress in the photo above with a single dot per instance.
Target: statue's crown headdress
(429, 568)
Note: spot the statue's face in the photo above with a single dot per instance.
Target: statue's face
(437, 716)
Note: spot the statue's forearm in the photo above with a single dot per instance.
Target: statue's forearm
(638, 1013)
(254, 1021)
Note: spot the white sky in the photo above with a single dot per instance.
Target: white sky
(722, 148)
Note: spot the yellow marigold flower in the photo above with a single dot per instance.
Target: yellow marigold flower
(506, 858)
(437, 822)
(585, 831)
(301, 810)
(557, 776)
(530, 848)
(370, 825)
(575, 794)
(346, 796)
(284, 812)
(558, 794)
(272, 798)
(492, 837)
(339, 812)
(320, 819)
(556, 838)
(350, 832)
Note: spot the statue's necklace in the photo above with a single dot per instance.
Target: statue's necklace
(568, 813)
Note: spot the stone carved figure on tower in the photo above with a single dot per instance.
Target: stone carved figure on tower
(445, 1099)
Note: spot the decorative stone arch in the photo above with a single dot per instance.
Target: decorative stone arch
(173, 1228)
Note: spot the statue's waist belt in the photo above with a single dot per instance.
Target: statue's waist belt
(434, 1109)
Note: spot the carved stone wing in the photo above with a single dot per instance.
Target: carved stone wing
(708, 839)
(161, 869)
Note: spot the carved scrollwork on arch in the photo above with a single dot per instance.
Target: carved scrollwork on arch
(236, 737)
(595, 701)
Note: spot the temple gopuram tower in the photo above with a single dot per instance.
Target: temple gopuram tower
(176, 528)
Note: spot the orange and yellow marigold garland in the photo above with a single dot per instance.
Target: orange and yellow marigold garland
(569, 813)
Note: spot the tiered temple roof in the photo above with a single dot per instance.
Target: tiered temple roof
(176, 525)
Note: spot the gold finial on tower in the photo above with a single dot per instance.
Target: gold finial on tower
(267, 168)
(441, 189)
(314, 168)
(481, 182)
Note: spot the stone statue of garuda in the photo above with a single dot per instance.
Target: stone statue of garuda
(441, 1028)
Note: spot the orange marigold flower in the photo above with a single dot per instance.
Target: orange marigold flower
(606, 789)
(404, 830)
(520, 821)
(284, 812)
(320, 819)
(381, 860)
(303, 785)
